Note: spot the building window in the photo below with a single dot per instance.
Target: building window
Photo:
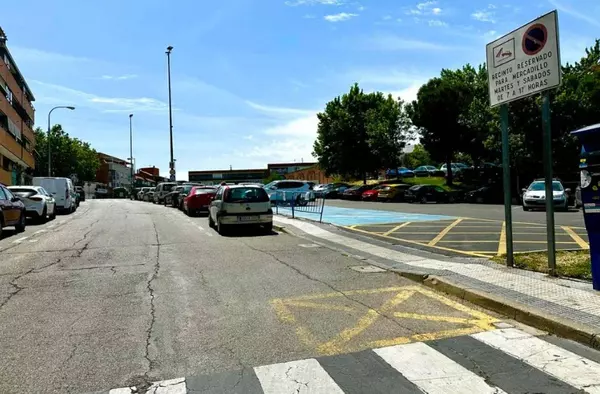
(9, 95)
(6, 61)
(6, 164)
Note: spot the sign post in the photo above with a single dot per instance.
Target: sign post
(524, 62)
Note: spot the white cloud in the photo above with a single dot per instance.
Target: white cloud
(484, 16)
(437, 23)
(282, 111)
(119, 77)
(425, 8)
(361, 8)
(342, 16)
(386, 17)
(591, 19)
(425, 5)
(408, 94)
(436, 11)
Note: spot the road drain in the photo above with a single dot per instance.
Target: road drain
(367, 269)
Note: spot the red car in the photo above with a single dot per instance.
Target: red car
(12, 211)
(371, 195)
(198, 200)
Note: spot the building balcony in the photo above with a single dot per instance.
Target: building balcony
(14, 116)
(12, 149)
(16, 90)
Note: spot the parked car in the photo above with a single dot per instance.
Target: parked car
(161, 190)
(172, 195)
(12, 211)
(198, 200)
(142, 192)
(423, 171)
(427, 193)
(149, 195)
(61, 189)
(177, 199)
(286, 191)
(534, 197)
(372, 194)
(355, 192)
(456, 168)
(335, 190)
(318, 190)
(240, 205)
(394, 192)
(39, 204)
(401, 172)
(490, 194)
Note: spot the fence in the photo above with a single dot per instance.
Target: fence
(301, 204)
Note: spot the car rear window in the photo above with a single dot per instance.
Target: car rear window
(204, 190)
(246, 194)
(23, 192)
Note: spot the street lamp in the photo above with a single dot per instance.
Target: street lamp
(131, 154)
(172, 162)
(49, 149)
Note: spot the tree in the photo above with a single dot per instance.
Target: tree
(418, 157)
(361, 133)
(273, 176)
(69, 155)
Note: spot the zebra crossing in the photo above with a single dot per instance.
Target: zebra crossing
(505, 360)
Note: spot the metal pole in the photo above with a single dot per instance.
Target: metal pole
(172, 163)
(131, 155)
(547, 146)
(507, 185)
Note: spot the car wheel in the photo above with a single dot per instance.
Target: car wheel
(423, 200)
(525, 208)
(44, 217)
(268, 227)
(20, 227)
(211, 222)
(53, 215)
(221, 228)
(1, 225)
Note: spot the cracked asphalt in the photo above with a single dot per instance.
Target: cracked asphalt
(125, 293)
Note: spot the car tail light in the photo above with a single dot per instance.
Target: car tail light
(66, 194)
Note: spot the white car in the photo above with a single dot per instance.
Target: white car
(39, 204)
(288, 190)
(535, 196)
(240, 205)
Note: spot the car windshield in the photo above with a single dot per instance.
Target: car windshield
(415, 187)
(23, 192)
(168, 187)
(246, 194)
(540, 186)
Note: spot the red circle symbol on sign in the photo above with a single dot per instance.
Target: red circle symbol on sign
(534, 39)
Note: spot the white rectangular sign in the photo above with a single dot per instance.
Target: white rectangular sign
(525, 61)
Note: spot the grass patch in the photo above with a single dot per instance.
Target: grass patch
(572, 264)
(437, 181)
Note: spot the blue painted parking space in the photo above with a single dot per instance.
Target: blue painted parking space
(357, 217)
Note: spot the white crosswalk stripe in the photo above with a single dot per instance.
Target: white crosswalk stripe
(424, 367)
(432, 371)
(579, 372)
(301, 377)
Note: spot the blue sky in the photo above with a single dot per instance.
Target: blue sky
(248, 75)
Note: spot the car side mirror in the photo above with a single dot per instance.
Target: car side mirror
(15, 199)
(523, 190)
(567, 190)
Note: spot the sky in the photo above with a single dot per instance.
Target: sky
(248, 76)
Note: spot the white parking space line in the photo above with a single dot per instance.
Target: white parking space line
(33, 240)
(40, 231)
(204, 230)
(18, 241)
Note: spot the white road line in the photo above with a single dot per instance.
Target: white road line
(33, 240)
(204, 230)
(171, 386)
(575, 370)
(304, 376)
(18, 241)
(433, 372)
(40, 231)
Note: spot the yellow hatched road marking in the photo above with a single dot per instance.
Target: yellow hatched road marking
(443, 233)
(502, 241)
(396, 228)
(580, 241)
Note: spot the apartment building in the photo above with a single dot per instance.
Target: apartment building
(17, 141)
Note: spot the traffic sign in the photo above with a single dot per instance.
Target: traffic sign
(172, 178)
(172, 172)
(525, 61)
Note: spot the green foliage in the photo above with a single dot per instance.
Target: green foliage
(418, 157)
(360, 133)
(272, 177)
(69, 155)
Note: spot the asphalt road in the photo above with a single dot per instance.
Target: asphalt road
(573, 217)
(124, 293)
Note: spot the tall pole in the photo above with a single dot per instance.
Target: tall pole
(547, 156)
(506, 178)
(131, 155)
(172, 162)
(49, 146)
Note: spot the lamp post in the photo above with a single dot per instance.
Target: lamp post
(131, 155)
(172, 162)
(49, 148)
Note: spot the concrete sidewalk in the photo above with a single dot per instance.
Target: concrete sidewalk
(565, 307)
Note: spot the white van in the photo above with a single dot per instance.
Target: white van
(61, 189)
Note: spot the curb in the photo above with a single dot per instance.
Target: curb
(513, 310)
(282, 229)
